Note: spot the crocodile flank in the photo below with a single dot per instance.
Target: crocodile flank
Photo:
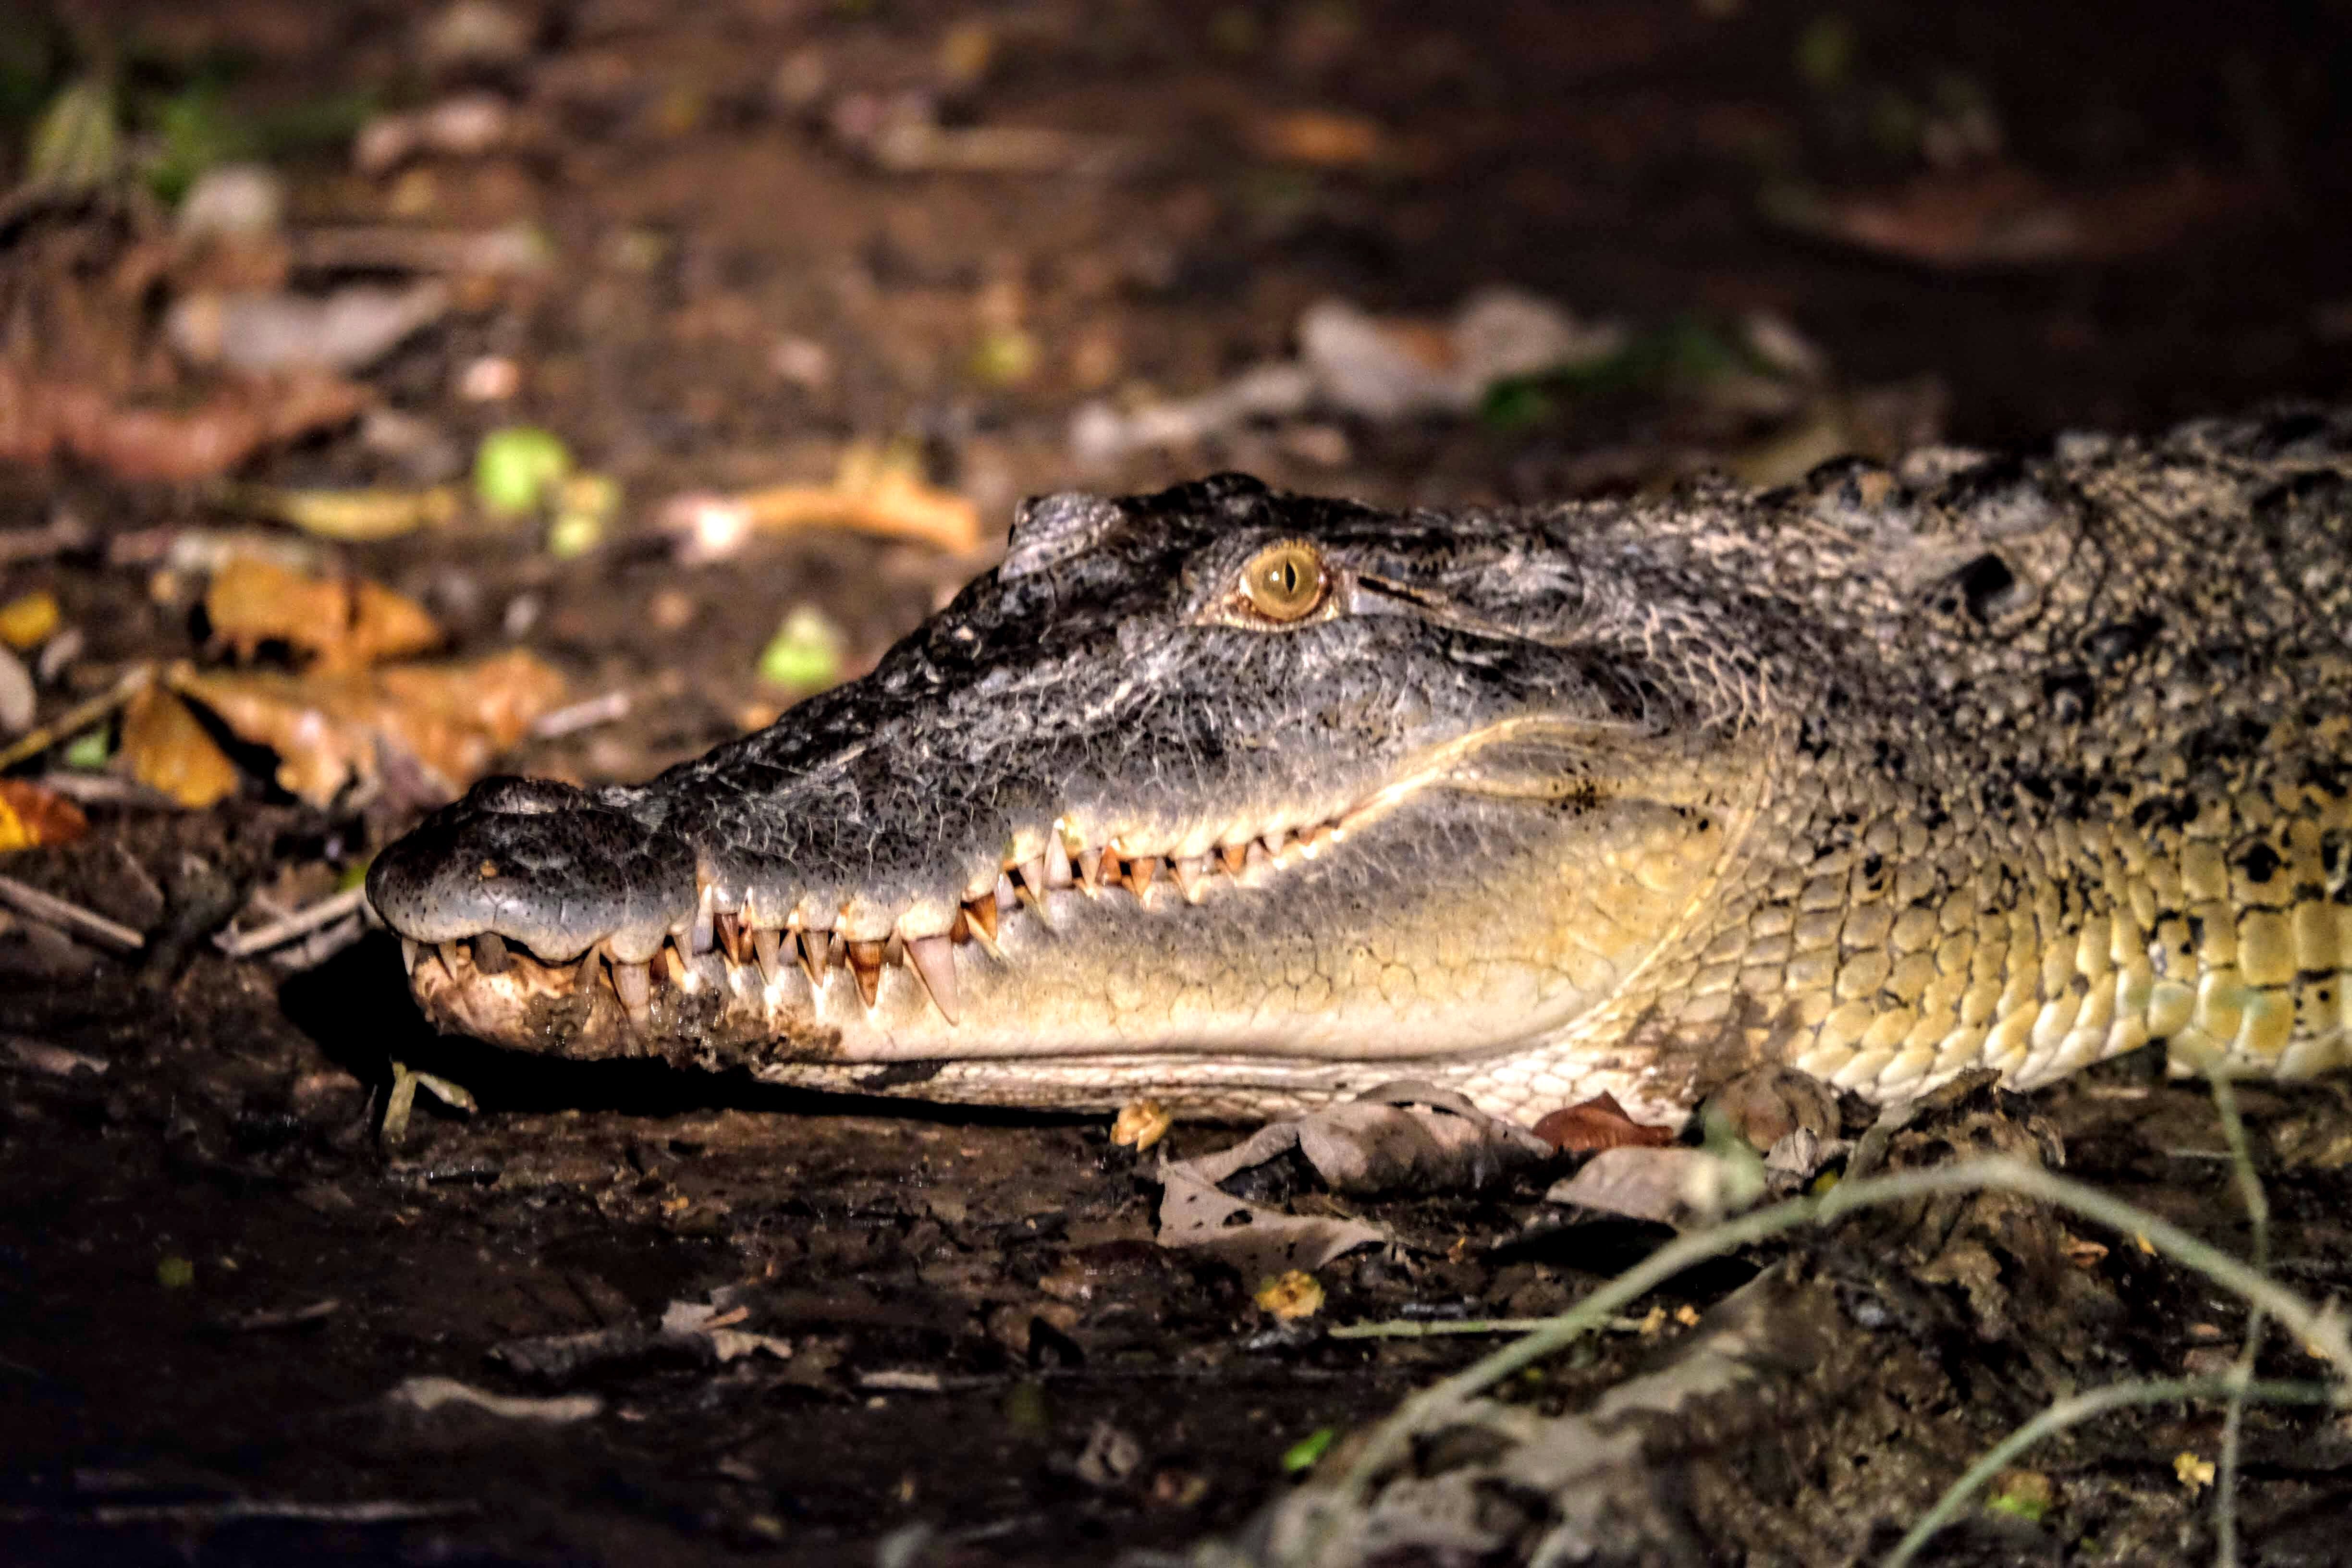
(1244, 800)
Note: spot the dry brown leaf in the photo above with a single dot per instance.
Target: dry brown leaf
(166, 748)
(346, 624)
(1599, 1124)
(199, 441)
(448, 719)
(2000, 216)
(30, 814)
(1319, 139)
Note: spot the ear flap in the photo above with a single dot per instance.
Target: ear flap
(1047, 528)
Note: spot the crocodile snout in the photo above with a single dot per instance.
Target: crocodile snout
(549, 865)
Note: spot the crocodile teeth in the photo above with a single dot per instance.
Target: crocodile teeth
(729, 933)
(816, 954)
(449, 956)
(1006, 898)
(1093, 866)
(1256, 854)
(932, 958)
(865, 966)
(490, 954)
(673, 959)
(767, 947)
(408, 954)
(1056, 859)
(1192, 874)
(634, 983)
(980, 913)
(1140, 872)
(1232, 857)
(704, 919)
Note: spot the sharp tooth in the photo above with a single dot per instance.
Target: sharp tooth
(1031, 880)
(1140, 872)
(982, 913)
(866, 964)
(932, 958)
(634, 985)
(1057, 865)
(673, 961)
(704, 917)
(1273, 843)
(1004, 896)
(1191, 871)
(490, 954)
(1255, 855)
(767, 947)
(815, 955)
(449, 952)
(728, 932)
(1087, 867)
(408, 954)
(1232, 857)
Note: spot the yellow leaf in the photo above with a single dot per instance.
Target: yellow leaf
(26, 621)
(30, 814)
(164, 748)
(326, 728)
(345, 623)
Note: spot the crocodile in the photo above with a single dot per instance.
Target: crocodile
(1245, 801)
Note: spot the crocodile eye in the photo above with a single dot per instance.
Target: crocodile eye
(1286, 581)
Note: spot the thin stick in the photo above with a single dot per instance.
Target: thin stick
(1415, 1329)
(74, 720)
(595, 710)
(50, 909)
(2081, 1408)
(2258, 1214)
(308, 917)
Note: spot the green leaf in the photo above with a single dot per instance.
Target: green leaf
(514, 468)
(1302, 1454)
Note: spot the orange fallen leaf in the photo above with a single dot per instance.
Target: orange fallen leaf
(30, 814)
(873, 493)
(1599, 1124)
(165, 748)
(1322, 140)
(328, 728)
(345, 623)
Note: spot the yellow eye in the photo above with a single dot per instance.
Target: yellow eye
(1285, 582)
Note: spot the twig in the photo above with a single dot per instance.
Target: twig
(2081, 1408)
(2258, 1215)
(74, 720)
(308, 918)
(580, 716)
(229, 1510)
(57, 912)
(1410, 1329)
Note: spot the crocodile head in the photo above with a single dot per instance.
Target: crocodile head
(1195, 792)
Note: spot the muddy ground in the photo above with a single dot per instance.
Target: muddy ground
(214, 1269)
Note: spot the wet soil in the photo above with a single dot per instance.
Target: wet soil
(214, 1272)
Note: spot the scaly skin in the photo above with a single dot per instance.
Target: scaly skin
(2024, 764)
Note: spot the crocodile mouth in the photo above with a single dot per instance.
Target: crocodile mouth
(485, 981)
(1425, 918)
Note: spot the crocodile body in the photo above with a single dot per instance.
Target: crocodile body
(1245, 800)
